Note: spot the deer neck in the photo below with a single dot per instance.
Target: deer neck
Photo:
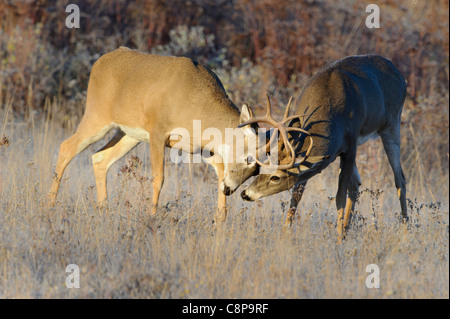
(209, 132)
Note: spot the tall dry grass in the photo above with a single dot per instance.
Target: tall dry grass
(180, 254)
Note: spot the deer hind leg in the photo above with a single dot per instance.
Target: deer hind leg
(102, 160)
(157, 147)
(347, 170)
(295, 200)
(391, 143)
(85, 135)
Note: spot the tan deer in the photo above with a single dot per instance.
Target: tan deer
(342, 106)
(146, 97)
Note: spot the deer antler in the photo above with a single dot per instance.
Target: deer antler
(283, 132)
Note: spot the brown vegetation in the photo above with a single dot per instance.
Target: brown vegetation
(284, 41)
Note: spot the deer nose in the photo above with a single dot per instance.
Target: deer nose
(245, 196)
(226, 190)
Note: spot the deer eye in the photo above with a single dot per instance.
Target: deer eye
(250, 159)
(274, 179)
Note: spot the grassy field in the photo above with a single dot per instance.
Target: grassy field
(123, 253)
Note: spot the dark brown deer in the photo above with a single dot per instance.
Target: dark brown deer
(343, 105)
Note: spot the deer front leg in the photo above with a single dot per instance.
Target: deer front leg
(222, 201)
(217, 162)
(347, 167)
(157, 147)
(353, 193)
(295, 200)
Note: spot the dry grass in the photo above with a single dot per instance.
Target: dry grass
(180, 254)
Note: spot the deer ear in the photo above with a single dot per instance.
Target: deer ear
(246, 113)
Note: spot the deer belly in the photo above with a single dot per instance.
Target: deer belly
(135, 132)
(365, 138)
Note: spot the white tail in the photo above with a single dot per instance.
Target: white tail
(343, 105)
(146, 97)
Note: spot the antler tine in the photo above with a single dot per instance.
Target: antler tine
(310, 147)
(287, 119)
(298, 129)
(261, 163)
(286, 111)
(269, 107)
(265, 119)
(251, 121)
(289, 146)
